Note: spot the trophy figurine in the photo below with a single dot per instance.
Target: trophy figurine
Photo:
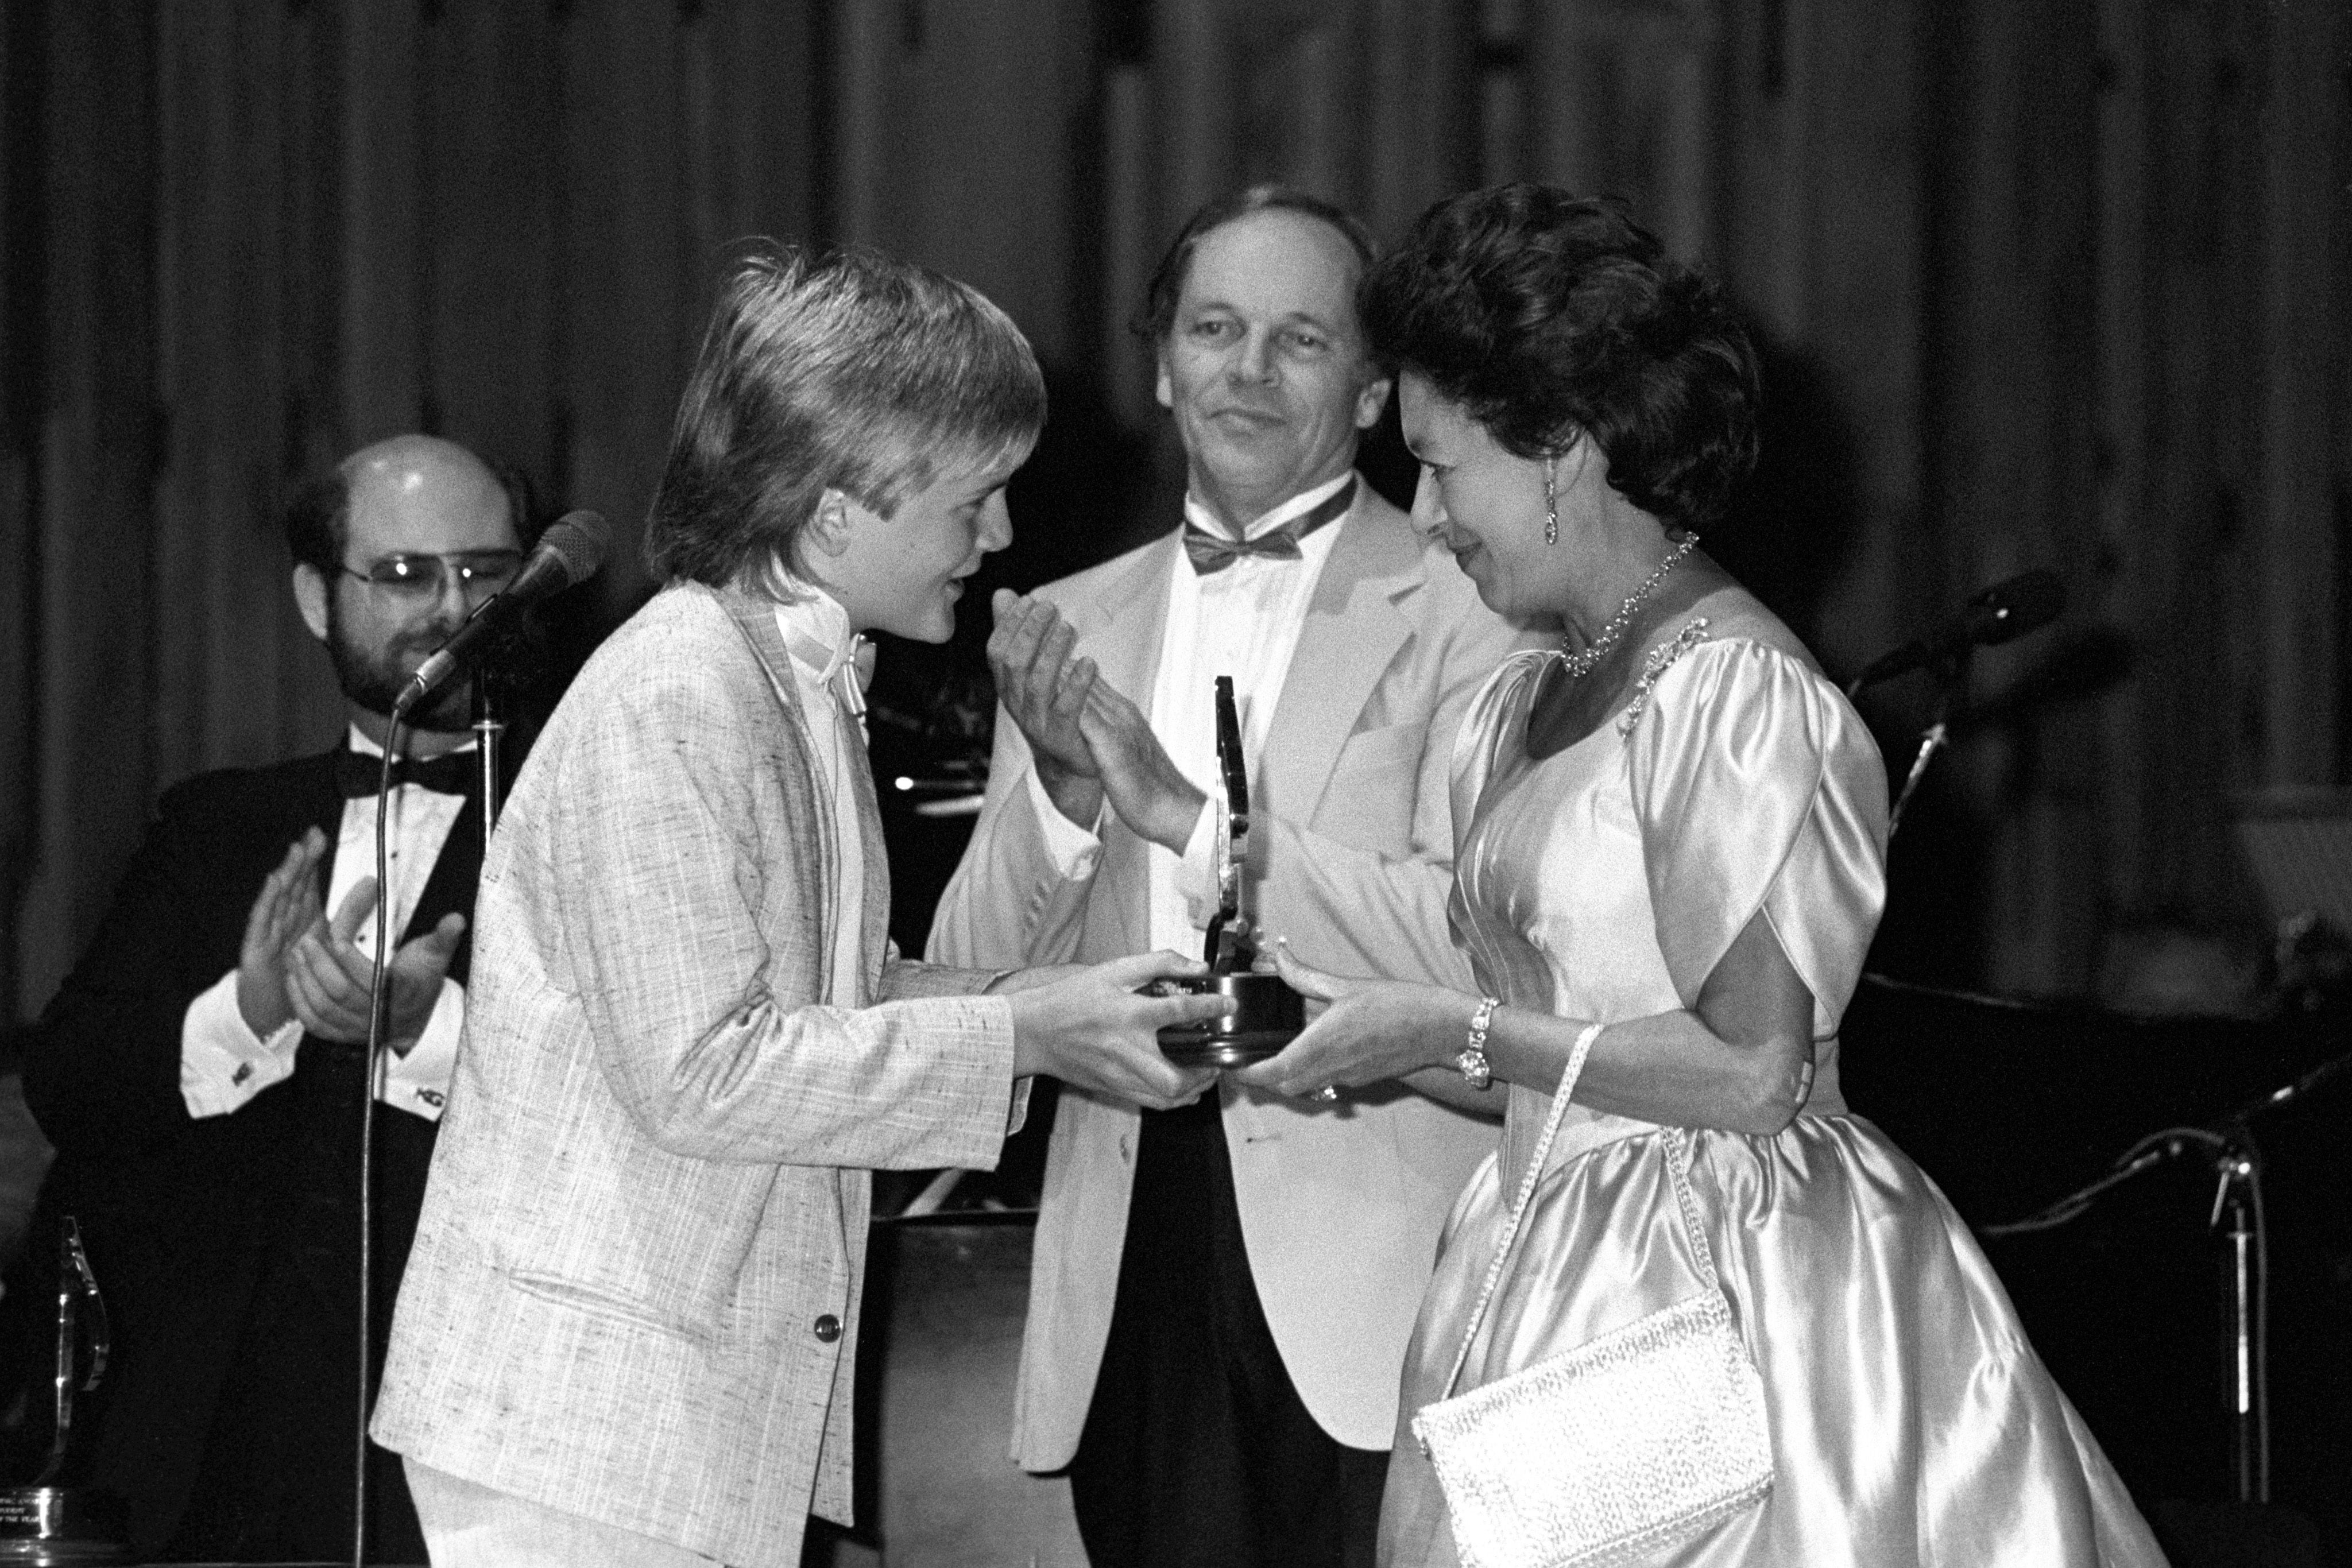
(45, 1523)
(1269, 1014)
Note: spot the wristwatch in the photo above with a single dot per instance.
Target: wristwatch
(1476, 1070)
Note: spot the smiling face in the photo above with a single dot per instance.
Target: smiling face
(903, 573)
(1264, 366)
(1486, 505)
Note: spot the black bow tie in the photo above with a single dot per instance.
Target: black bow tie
(1213, 552)
(451, 773)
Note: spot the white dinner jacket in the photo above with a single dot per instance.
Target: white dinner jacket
(1352, 849)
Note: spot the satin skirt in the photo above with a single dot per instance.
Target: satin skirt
(1911, 1422)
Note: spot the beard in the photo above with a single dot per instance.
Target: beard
(373, 678)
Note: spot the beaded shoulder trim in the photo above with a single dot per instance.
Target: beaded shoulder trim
(1661, 660)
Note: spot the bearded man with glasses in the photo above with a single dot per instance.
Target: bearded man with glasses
(201, 1071)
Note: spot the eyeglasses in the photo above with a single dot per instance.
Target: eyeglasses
(479, 573)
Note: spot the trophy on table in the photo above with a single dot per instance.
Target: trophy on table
(42, 1522)
(1269, 1014)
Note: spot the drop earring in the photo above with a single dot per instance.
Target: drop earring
(1551, 503)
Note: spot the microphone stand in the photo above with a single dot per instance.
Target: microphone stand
(490, 725)
(1951, 683)
(2238, 1190)
(2000, 613)
(2237, 1167)
(488, 728)
(379, 1014)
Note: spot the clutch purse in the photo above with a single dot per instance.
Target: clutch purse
(1606, 1452)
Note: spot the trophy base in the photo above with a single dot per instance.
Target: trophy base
(1270, 1016)
(61, 1525)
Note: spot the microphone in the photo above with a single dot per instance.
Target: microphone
(2023, 603)
(571, 549)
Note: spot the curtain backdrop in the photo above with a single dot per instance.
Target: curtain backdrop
(2042, 283)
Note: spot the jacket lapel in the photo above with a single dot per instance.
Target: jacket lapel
(1121, 627)
(1136, 597)
(874, 912)
(1360, 615)
(450, 887)
(756, 619)
(323, 809)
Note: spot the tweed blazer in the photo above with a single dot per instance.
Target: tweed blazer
(635, 1289)
(1351, 848)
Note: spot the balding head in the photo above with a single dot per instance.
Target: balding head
(411, 497)
(418, 476)
(410, 466)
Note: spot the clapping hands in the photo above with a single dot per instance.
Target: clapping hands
(1045, 689)
(1091, 743)
(297, 963)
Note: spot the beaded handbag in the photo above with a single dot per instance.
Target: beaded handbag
(1603, 1453)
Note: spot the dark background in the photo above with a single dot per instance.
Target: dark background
(2040, 283)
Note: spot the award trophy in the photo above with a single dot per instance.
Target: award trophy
(1270, 1014)
(43, 1523)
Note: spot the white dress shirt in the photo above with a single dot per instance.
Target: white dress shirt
(224, 1064)
(1241, 620)
(816, 630)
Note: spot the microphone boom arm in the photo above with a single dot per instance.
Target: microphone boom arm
(570, 551)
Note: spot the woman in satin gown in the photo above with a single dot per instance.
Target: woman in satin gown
(1674, 827)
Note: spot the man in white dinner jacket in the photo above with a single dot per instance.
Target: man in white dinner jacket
(1221, 1293)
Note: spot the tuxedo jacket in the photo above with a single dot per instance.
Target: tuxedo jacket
(1351, 843)
(634, 1290)
(184, 1218)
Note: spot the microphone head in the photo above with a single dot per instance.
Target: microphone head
(2023, 603)
(577, 541)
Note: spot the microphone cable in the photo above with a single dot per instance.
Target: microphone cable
(379, 1007)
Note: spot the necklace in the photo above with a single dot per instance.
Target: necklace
(1582, 664)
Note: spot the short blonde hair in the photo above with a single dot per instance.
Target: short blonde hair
(848, 372)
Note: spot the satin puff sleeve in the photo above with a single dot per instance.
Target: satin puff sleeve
(1757, 786)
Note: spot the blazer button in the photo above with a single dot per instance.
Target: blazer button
(828, 1329)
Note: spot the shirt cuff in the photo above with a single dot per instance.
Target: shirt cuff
(418, 1082)
(223, 1063)
(1072, 849)
(1196, 868)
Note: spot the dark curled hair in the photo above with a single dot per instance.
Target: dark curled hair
(1153, 322)
(1541, 315)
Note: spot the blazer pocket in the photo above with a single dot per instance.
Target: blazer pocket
(587, 1300)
